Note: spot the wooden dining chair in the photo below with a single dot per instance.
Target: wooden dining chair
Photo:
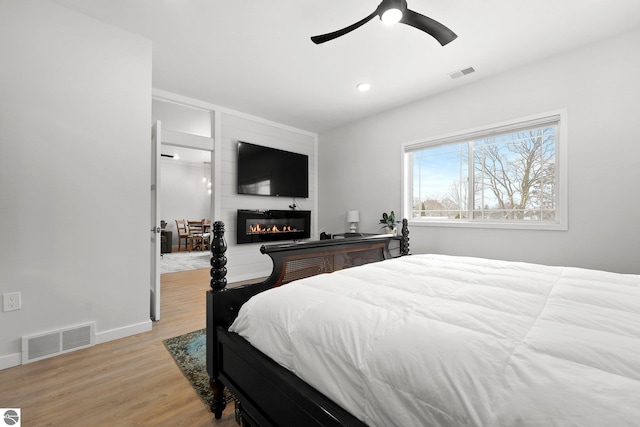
(183, 233)
(196, 231)
(206, 234)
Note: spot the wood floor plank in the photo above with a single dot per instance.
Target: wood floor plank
(128, 382)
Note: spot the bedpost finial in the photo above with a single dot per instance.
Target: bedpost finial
(218, 270)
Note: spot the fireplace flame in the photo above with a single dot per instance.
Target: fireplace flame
(259, 228)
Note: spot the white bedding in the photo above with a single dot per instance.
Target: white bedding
(431, 340)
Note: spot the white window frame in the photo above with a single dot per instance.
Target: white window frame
(562, 143)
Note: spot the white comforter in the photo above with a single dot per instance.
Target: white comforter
(429, 340)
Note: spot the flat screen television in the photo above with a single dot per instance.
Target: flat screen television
(267, 171)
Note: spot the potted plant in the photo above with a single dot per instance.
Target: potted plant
(389, 222)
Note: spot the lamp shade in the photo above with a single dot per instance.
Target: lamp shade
(353, 216)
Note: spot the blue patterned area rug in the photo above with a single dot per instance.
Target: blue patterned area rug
(189, 352)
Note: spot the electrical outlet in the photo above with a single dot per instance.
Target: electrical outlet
(11, 301)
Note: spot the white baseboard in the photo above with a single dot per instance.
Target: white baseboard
(10, 360)
(114, 334)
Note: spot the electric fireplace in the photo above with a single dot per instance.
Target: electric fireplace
(255, 226)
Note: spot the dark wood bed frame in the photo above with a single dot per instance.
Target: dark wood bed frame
(266, 393)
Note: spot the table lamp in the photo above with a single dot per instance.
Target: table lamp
(353, 217)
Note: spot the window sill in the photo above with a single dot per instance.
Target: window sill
(547, 226)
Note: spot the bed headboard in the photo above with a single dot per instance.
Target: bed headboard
(291, 261)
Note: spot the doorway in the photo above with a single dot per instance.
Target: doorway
(185, 190)
(183, 135)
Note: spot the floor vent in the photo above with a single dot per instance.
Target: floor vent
(41, 346)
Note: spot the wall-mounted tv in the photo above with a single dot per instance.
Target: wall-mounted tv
(267, 171)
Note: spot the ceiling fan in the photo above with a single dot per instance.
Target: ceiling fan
(393, 11)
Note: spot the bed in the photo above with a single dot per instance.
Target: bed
(424, 340)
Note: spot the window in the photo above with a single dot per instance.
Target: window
(510, 175)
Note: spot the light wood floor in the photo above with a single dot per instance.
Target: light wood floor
(128, 382)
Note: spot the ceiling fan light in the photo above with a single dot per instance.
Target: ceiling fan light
(391, 16)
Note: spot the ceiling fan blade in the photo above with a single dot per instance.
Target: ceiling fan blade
(441, 33)
(330, 36)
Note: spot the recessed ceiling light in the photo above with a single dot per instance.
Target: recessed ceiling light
(363, 87)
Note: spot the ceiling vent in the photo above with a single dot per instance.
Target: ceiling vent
(462, 73)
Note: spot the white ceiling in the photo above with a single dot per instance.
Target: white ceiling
(256, 56)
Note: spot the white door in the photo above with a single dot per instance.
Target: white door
(155, 221)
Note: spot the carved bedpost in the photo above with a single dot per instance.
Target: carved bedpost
(404, 243)
(218, 259)
(218, 282)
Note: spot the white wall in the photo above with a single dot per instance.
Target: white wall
(359, 164)
(74, 174)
